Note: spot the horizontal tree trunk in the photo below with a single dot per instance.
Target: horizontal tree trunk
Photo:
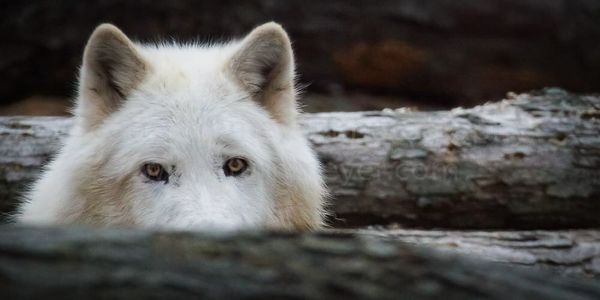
(532, 161)
(564, 251)
(60, 263)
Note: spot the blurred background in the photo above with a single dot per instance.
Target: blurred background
(351, 54)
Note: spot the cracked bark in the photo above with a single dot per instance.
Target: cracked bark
(567, 252)
(532, 161)
(70, 263)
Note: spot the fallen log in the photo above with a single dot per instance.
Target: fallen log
(531, 161)
(75, 263)
(567, 252)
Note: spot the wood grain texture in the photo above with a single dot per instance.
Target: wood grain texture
(531, 161)
(567, 252)
(71, 263)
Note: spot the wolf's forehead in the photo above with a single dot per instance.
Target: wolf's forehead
(190, 136)
(193, 120)
(190, 60)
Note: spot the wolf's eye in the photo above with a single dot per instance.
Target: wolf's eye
(155, 172)
(235, 166)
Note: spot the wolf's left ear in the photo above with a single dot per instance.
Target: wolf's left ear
(112, 68)
(264, 66)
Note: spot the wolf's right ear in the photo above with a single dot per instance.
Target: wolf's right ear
(112, 68)
(264, 66)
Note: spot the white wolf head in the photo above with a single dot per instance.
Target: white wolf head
(183, 136)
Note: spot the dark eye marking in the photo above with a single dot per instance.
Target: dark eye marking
(155, 172)
(235, 166)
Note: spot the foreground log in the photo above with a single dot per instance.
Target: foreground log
(121, 264)
(563, 251)
(532, 161)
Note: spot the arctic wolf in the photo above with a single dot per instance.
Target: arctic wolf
(183, 137)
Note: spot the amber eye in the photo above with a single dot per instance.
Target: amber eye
(235, 166)
(155, 172)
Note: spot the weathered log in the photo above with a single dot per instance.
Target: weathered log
(452, 52)
(532, 161)
(563, 251)
(75, 263)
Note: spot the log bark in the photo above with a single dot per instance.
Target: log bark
(567, 252)
(439, 50)
(531, 161)
(75, 263)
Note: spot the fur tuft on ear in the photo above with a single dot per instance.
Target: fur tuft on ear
(264, 66)
(112, 68)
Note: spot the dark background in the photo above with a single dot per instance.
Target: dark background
(354, 55)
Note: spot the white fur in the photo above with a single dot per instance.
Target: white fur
(189, 111)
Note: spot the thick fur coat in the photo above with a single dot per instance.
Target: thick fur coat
(183, 112)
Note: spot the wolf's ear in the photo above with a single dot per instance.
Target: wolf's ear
(112, 68)
(264, 66)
